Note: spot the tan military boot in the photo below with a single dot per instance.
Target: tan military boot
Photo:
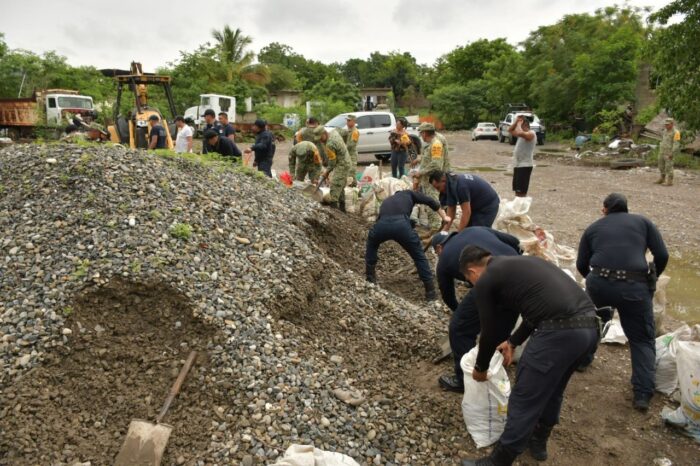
(669, 182)
(660, 180)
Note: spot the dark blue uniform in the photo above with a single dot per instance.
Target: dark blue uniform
(264, 149)
(227, 130)
(216, 127)
(483, 199)
(610, 249)
(224, 146)
(159, 131)
(558, 317)
(465, 325)
(394, 224)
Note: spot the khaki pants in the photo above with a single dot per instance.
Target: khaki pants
(666, 167)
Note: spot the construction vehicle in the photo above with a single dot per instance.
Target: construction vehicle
(133, 129)
(50, 109)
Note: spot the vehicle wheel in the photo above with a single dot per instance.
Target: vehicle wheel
(540, 140)
(383, 157)
(500, 136)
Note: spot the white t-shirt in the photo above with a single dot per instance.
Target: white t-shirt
(181, 140)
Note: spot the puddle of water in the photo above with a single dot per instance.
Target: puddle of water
(683, 290)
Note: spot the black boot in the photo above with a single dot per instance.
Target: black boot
(500, 456)
(538, 441)
(430, 293)
(371, 274)
(451, 383)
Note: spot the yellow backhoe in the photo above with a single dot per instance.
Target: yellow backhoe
(133, 129)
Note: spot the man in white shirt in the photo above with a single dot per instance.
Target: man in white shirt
(183, 142)
(523, 154)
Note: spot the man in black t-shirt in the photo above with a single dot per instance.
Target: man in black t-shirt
(210, 123)
(213, 142)
(157, 138)
(475, 196)
(226, 129)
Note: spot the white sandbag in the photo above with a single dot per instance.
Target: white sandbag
(615, 334)
(352, 200)
(389, 186)
(666, 372)
(485, 404)
(687, 416)
(307, 455)
(370, 175)
(660, 302)
(326, 192)
(369, 207)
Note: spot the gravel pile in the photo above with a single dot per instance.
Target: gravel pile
(299, 348)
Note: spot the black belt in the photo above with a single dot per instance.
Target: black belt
(623, 275)
(584, 321)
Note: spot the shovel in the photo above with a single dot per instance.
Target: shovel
(314, 190)
(145, 442)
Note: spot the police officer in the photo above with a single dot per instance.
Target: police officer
(394, 224)
(157, 138)
(210, 123)
(338, 162)
(475, 196)
(264, 147)
(670, 146)
(611, 256)
(214, 142)
(464, 325)
(560, 320)
(226, 129)
(432, 158)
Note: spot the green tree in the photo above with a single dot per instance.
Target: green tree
(333, 89)
(232, 51)
(281, 78)
(676, 60)
(460, 106)
(470, 62)
(308, 72)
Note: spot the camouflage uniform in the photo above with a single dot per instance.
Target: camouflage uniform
(670, 146)
(446, 162)
(304, 159)
(338, 163)
(433, 158)
(351, 138)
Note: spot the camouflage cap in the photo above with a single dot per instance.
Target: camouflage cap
(669, 120)
(426, 127)
(351, 117)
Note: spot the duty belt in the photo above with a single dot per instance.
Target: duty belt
(585, 321)
(623, 275)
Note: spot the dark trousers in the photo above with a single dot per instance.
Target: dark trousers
(265, 166)
(544, 370)
(484, 217)
(397, 228)
(635, 306)
(398, 163)
(465, 327)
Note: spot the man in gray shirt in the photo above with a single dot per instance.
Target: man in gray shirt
(523, 154)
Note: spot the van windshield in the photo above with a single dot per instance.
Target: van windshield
(75, 102)
(337, 122)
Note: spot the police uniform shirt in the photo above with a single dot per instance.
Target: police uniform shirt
(468, 188)
(227, 130)
(159, 131)
(402, 203)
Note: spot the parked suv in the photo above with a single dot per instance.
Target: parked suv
(516, 110)
(374, 130)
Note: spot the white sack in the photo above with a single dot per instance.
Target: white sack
(307, 455)
(666, 372)
(687, 416)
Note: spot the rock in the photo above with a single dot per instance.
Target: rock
(325, 422)
(66, 331)
(24, 360)
(51, 161)
(242, 240)
(247, 461)
(351, 397)
(180, 460)
(337, 359)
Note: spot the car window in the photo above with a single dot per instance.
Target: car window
(337, 122)
(52, 102)
(224, 104)
(509, 118)
(364, 122)
(381, 121)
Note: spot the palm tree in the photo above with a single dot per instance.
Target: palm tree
(239, 61)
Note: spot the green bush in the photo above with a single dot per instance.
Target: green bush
(181, 231)
(647, 114)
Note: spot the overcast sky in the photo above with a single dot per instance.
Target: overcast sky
(111, 34)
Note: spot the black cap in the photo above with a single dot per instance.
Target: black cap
(615, 202)
(210, 133)
(439, 238)
(153, 118)
(209, 112)
(260, 123)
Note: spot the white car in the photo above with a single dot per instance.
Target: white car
(485, 131)
(374, 130)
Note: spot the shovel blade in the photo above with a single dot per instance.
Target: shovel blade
(144, 445)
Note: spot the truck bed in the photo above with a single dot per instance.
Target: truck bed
(18, 112)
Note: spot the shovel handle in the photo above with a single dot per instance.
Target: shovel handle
(175, 389)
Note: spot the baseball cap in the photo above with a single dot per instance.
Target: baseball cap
(210, 133)
(426, 127)
(351, 117)
(153, 118)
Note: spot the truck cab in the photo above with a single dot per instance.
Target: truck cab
(58, 105)
(218, 103)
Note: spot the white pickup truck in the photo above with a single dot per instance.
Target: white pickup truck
(374, 130)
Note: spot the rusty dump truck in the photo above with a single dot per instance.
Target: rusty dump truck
(50, 108)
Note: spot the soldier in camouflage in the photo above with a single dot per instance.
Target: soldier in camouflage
(670, 146)
(304, 159)
(433, 158)
(338, 164)
(351, 139)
